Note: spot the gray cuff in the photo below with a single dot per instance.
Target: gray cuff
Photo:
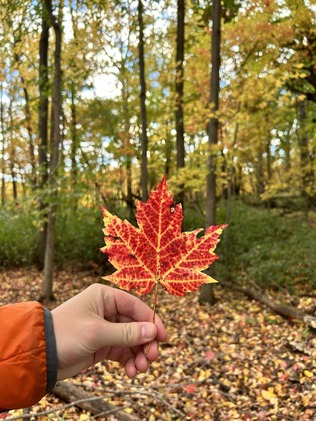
(51, 351)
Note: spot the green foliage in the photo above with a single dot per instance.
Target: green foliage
(273, 250)
(259, 245)
(79, 236)
(268, 248)
(18, 236)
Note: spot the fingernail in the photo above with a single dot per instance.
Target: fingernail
(148, 331)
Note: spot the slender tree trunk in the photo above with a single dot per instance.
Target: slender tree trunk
(74, 142)
(29, 129)
(179, 86)
(231, 171)
(144, 170)
(129, 180)
(127, 145)
(3, 135)
(12, 153)
(268, 154)
(238, 187)
(74, 119)
(207, 291)
(168, 148)
(213, 123)
(13, 177)
(287, 150)
(54, 159)
(269, 169)
(259, 173)
(306, 173)
(43, 130)
(126, 136)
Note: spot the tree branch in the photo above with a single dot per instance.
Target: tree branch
(255, 292)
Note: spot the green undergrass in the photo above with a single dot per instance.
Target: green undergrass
(273, 250)
(258, 245)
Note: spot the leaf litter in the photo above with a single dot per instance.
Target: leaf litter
(234, 361)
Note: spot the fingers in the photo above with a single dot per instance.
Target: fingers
(130, 308)
(135, 364)
(104, 322)
(134, 360)
(124, 334)
(140, 361)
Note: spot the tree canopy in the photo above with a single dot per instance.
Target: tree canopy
(267, 97)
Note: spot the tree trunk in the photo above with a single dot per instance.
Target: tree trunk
(43, 130)
(3, 141)
(287, 153)
(269, 169)
(54, 160)
(143, 110)
(179, 84)
(207, 291)
(231, 172)
(259, 173)
(306, 172)
(12, 152)
(168, 148)
(29, 129)
(127, 146)
(74, 143)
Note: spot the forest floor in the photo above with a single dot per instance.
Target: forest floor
(233, 361)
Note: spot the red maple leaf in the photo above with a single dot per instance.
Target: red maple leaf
(158, 252)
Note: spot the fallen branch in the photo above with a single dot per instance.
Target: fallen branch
(72, 393)
(255, 292)
(151, 392)
(54, 410)
(300, 347)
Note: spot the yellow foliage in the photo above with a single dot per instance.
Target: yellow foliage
(308, 373)
(270, 396)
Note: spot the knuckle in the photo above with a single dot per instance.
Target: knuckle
(128, 333)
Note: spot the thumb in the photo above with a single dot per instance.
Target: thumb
(129, 334)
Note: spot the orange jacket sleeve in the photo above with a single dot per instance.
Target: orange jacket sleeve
(28, 359)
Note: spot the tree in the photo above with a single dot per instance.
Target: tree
(54, 159)
(43, 127)
(206, 293)
(3, 147)
(306, 160)
(143, 111)
(267, 53)
(303, 46)
(179, 84)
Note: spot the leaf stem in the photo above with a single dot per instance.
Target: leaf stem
(155, 300)
(154, 315)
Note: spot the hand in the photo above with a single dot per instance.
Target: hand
(103, 322)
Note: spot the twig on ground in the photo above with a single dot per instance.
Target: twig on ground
(55, 410)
